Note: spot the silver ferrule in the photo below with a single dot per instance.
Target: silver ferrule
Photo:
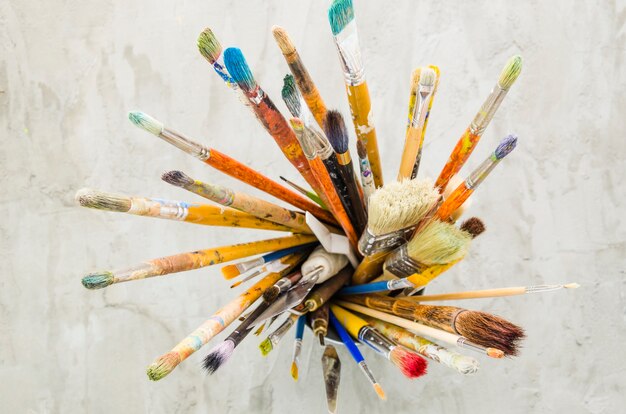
(283, 284)
(367, 372)
(220, 69)
(297, 349)
(402, 283)
(463, 342)
(154, 207)
(542, 288)
(321, 145)
(376, 341)
(370, 244)
(481, 172)
(400, 264)
(250, 264)
(278, 334)
(347, 43)
(488, 110)
(421, 107)
(190, 147)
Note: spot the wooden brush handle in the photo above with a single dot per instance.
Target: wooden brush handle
(453, 202)
(321, 294)
(459, 155)
(307, 88)
(370, 268)
(204, 214)
(409, 153)
(272, 212)
(474, 294)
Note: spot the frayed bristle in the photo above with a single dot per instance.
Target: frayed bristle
(218, 356)
(439, 243)
(571, 286)
(411, 364)
(163, 366)
(146, 122)
(294, 371)
(177, 178)
(100, 200)
(209, 46)
(511, 71)
(427, 77)
(464, 364)
(98, 280)
(494, 353)
(230, 271)
(282, 39)
(361, 149)
(336, 131)
(266, 347)
(415, 80)
(271, 294)
(340, 14)
(506, 146)
(489, 331)
(291, 96)
(398, 205)
(379, 391)
(238, 68)
(473, 226)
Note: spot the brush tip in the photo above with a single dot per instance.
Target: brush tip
(177, 178)
(411, 364)
(238, 68)
(230, 271)
(336, 131)
(98, 280)
(361, 149)
(266, 347)
(571, 286)
(427, 77)
(163, 366)
(100, 200)
(209, 46)
(291, 96)
(146, 122)
(506, 146)
(271, 294)
(379, 391)
(511, 71)
(282, 40)
(340, 14)
(294, 371)
(218, 356)
(495, 353)
(296, 124)
(473, 226)
(489, 331)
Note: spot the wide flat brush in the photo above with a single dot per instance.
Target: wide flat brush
(344, 29)
(227, 165)
(492, 293)
(233, 270)
(472, 134)
(204, 214)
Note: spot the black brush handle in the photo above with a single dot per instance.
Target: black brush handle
(333, 168)
(354, 195)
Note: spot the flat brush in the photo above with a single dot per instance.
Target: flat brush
(166, 363)
(413, 139)
(331, 366)
(239, 201)
(467, 188)
(300, 74)
(344, 29)
(472, 134)
(434, 333)
(356, 355)
(492, 293)
(479, 327)
(274, 338)
(410, 364)
(273, 121)
(297, 347)
(367, 179)
(204, 214)
(189, 261)
(337, 134)
(234, 270)
(304, 191)
(319, 322)
(227, 165)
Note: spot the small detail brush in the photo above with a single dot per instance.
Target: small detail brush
(234, 270)
(492, 293)
(304, 191)
(297, 347)
(274, 338)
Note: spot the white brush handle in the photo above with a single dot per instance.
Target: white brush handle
(330, 263)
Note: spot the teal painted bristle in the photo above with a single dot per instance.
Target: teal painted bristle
(209, 46)
(291, 96)
(340, 14)
(146, 122)
(239, 69)
(98, 280)
(506, 146)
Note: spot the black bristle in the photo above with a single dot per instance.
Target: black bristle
(336, 131)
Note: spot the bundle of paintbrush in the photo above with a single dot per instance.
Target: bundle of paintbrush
(351, 235)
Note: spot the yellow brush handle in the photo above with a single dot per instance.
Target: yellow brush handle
(349, 320)
(422, 279)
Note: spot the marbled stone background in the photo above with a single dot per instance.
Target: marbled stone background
(69, 72)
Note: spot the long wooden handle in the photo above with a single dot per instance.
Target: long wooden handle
(472, 294)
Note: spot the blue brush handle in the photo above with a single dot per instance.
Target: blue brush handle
(345, 338)
(282, 253)
(367, 288)
(300, 327)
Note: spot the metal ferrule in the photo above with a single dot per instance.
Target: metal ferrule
(220, 69)
(488, 110)
(421, 107)
(463, 342)
(283, 284)
(297, 349)
(402, 283)
(400, 264)
(376, 340)
(256, 95)
(190, 147)
(154, 207)
(250, 264)
(277, 335)
(347, 43)
(480, 173)
(542, 288)
(344, 159)
(370, 244)
(321, 144)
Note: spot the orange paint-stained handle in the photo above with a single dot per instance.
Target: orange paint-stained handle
(360, 107)
(459, 155)
(334, 203)
(242, 172)
(220, 216)
(370, 268)
(454, 201)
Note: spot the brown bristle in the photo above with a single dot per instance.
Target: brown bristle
(473, 226)
(411, 364)
(489, 331)
(361, 150)
(282, 40)
(271, 294)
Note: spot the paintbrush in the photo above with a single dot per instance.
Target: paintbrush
(221, 353)
(270, 117)
(227, 165)
(331, 366)
(274, 338)
(239, 201)
(166, 363)
(331, 198)
(319, 322)
(434, 333)
(472, 134)
(301, 76)
(259, 271)
(204, 214)
(394, 211)
(337, 134)
(304, 191)
(233, 270)
(467, 188)
(297, 347)
(321, 294)
(461, 363)
(294, 101)
(479, 327)
(493, 293)
(344, 29)
(367, 179)
(356, 354)
(189, 261)
(324, 263)
(410, 363)
(413, 139)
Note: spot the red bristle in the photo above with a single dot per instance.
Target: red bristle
(411, 364)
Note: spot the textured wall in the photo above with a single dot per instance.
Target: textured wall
(69, 71)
